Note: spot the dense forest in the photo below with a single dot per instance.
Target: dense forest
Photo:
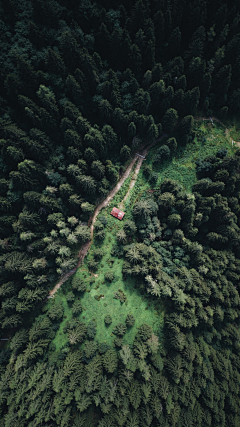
(82, 84)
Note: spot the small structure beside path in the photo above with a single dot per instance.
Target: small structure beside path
(117, 213)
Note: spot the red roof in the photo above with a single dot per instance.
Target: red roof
(117, 213)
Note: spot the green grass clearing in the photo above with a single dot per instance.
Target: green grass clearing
(208, 140)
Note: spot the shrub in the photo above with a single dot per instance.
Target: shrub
(77, 307)
(163, 152)
(107, 319)
(153, 178)
(103, 347)
(109, 276)
(121, 237)
(174, 220)
(92, 265)
(144, 332)
(89, 349)
(100, 235)
(98, 254)
(91, 329)
(130, 320)
(222, 152)
(78, 284)
(172, 144)
(118, 342)
(70, 297)
(103, 220)
(129, 227)
(98, 226)
(119, 329)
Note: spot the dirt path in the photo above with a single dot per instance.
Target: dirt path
(85, 248)
(215, 119)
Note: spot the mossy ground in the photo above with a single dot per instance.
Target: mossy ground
(208, 140)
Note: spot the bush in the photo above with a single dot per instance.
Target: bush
(91, 329)
(130, 320)
(119, 329)
(98, 254)
(174, 220)
(103, 220)
(70, 297)
(172, 144)
(122, 237)
(77, 307)
(222, 152)
(92, 265)
(78, 284)
(107, 320)
(98, 225)
(89, 349)
(153, 178)
(109, 276)
(147, 170)
(144, 332)
(129, 227)
(100, 235)
(118, 342)
(164, 152)
(103, 347)
(125, 152)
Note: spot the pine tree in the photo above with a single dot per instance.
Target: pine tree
(54, 62)
(169, 120)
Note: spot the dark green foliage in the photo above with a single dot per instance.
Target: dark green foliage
(169, 120)
(103, 347)
(78, 284)
(129, 227)
(144, 332)
(76, 307)
(163, 153)
(110, 361)
(174, 220)
(171, 143)
(71, 112)
(70, 297)
(118, 341)
(109, 276)
(91, 329)
(125, 152)
(107, 319)
(76, 332)
(145, 208)
(130, 320)
(98, 254)
(119, 329)
(90, 349)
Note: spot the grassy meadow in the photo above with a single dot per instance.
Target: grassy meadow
(98, 300)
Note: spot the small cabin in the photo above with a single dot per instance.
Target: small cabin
(117, 213)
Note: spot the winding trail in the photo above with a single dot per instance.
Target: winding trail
(85, 247)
